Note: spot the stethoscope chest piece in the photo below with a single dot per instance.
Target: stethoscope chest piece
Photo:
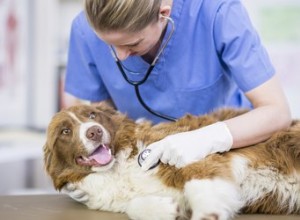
(142, 157)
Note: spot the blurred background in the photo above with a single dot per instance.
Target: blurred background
(33, 51)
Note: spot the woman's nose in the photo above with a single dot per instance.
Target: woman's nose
(122, 53)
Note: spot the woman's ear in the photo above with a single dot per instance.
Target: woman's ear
(165, 11)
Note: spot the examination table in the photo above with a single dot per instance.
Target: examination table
(61, 207)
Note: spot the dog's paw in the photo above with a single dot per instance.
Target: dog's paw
(153, 207)
(76, 193)
(211, 216)
(166, 208)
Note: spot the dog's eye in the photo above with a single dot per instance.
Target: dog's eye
(92, 115)
(66, 131)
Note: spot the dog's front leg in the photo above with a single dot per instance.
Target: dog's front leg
(152, 207)
(76, 193)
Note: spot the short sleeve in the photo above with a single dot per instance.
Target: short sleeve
(239, 47)
(82, 77)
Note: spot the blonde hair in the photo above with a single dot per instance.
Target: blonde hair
(121, 15)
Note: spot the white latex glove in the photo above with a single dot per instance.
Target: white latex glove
(188, 147)
(77, 194)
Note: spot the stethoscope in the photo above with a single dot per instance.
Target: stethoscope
(137, 83)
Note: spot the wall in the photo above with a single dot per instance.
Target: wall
(13, 62)
(278, 22)
(33, 45)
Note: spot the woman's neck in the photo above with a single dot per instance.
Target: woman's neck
(150, 56)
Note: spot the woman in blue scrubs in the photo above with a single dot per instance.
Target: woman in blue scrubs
(210, 57)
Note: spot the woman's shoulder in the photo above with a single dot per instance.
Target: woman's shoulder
(198, 13)
(80, 27)
(80, 22)
(207, 8)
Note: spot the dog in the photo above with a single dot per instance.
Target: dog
(95, 148)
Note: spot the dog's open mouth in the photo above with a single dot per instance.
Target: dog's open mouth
(100, 157)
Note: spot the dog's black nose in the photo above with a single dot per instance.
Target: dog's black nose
(94, 133)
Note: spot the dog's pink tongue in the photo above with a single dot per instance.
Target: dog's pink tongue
(102, 155)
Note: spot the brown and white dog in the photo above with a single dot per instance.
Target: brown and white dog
(96, 149)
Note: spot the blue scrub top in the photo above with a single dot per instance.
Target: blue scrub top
(213, 57)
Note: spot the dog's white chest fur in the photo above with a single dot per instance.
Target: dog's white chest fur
(111, 190)
(127, 185)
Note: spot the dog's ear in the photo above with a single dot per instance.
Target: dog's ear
(52, 166)
(60, 172)
(69, 175)
(47, 157)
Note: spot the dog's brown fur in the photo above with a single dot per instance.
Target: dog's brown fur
(280, 153)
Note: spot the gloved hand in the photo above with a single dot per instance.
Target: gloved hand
(187, 147)
(77, 194)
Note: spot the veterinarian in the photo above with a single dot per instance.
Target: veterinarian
(177, 57)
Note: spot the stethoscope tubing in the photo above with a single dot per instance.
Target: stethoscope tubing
(166, 117)
(137, 83)
(133, 82)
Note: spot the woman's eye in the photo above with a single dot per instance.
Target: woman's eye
(92, 115)
(133, 45)
(66, 131)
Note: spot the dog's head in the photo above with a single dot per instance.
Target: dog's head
(81, 140)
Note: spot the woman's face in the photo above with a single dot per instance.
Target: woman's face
(138, 43)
